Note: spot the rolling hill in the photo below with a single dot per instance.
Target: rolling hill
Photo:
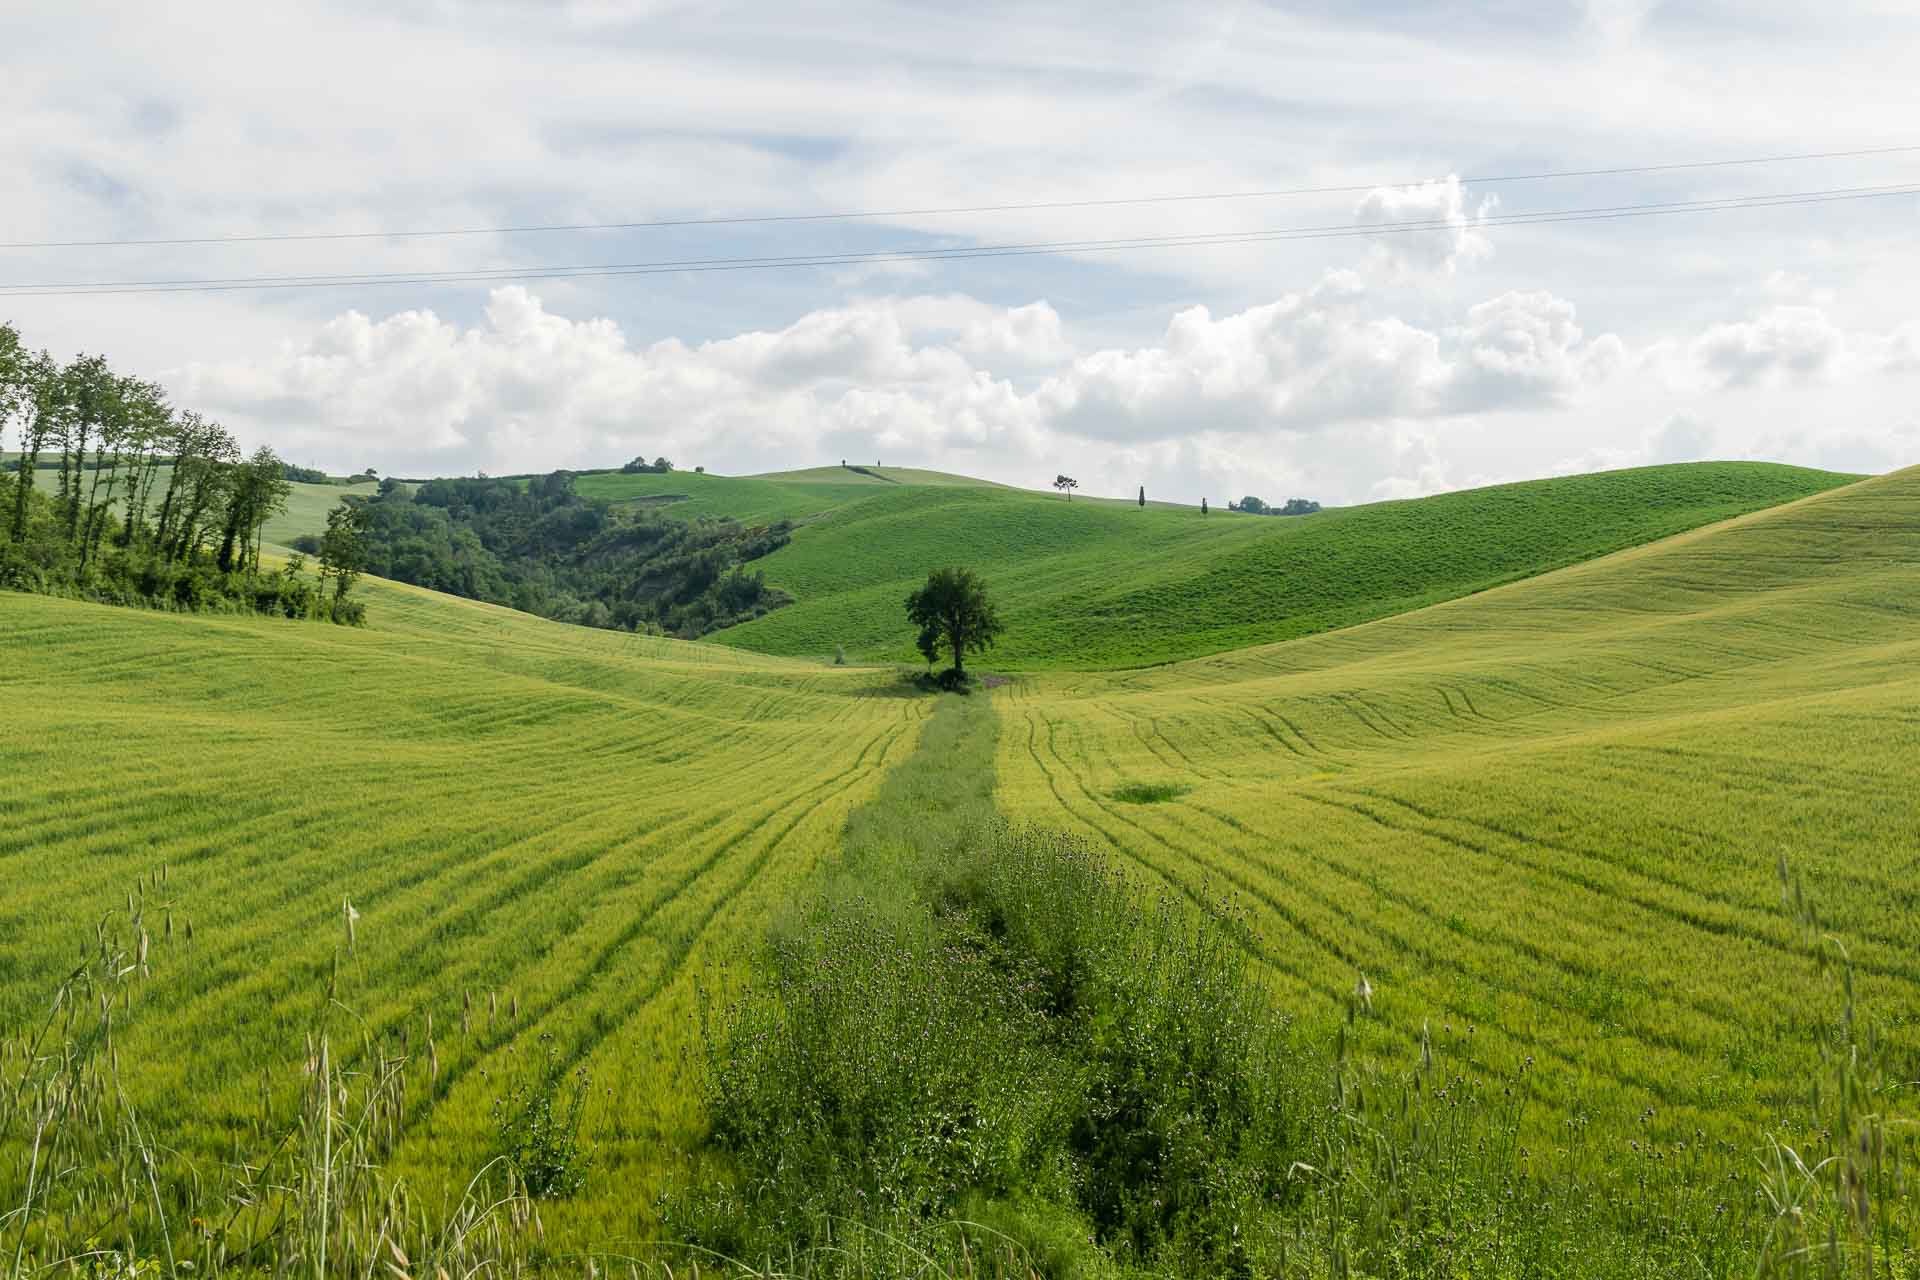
(1105, 584)
(1546, 821)
(1542, 819)
(777, 495)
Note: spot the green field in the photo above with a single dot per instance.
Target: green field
(575, 824)
(1548, 818)
(1106, 584)
(778, 495)
(1542, 817)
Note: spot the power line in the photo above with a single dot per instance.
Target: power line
(885, 256)
(1614, 171)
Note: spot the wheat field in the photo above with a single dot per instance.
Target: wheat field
(1546, 822)
(545, 831)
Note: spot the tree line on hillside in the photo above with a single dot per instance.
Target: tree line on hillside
(148, 504)
(539, 546)
(1292, 507)
(1066, 484)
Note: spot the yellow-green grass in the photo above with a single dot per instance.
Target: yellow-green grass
(1105, 584)
(1546, 819)
(583, 825)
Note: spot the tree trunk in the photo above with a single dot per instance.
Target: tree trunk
(29, 461)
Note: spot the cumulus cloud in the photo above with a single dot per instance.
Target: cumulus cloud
(933, 376)
(1328, 356)
(1448, 239)
(1527, 348)
(1800, 344)
(1786, 342)
(533, 389)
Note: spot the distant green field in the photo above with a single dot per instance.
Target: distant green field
(306, 512)
(1105, 584)
(777, 495)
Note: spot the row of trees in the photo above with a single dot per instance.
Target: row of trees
(1253, 506)
(144, 500)
(1293, 507)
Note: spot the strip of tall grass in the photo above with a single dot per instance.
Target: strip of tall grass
(983, 1038)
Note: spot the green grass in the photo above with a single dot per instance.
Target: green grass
(1149, 792)
(572, 828)
(777, 495)
(1105, 584)
(1544, 821)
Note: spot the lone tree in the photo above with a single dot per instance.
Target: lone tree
(953, 613)
(1143, 497)
(1066, 485)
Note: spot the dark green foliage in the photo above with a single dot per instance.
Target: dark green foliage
(1148, 792)
(640, 466)
(540, 547)
(977, 1017)
(537, 1128)
(1250, 504)
(304, 475)
(1298, 507)
(953, 614)
(110, 530)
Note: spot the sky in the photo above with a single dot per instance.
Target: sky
(1365, 365)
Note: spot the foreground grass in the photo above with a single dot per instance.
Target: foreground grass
(545, 831)
(1544, 823)
(1107, 584)
(979, 1050)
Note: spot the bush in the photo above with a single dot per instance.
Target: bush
(1034, 1033)
(537, 1128)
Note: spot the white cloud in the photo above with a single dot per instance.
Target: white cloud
(1307, 385)
(1786, 342)
(1450, 240)
(1789, 344)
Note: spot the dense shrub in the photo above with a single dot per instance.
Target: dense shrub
(540, 547)
(1036, 1034)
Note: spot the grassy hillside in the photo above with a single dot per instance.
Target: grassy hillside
(1545, 821)
(573, 829)
(1542, 821)
(1087, 584)
(777, 495)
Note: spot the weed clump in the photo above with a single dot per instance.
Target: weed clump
(1148, 792)
(537, 1128)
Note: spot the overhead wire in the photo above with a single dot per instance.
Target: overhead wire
(1032, 206)
(964, 252)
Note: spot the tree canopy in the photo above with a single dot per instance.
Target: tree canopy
(149, 503)
(953, 614)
